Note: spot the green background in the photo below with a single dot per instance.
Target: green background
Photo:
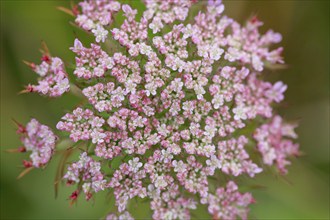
(303, 194)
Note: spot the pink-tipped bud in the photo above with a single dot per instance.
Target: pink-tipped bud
(21, 149)
(20, 128)
(27, 164)
(69, 182)
(31, 65)
(254, 19)
(28, 89)
(75, 10)
(74, 195)
(45, 58)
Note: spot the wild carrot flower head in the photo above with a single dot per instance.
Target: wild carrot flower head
(176, 106)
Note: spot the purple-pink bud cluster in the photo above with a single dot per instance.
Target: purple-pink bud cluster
(41, 141)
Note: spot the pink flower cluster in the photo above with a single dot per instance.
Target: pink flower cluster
(170, 204)
(161, 12)
(83, 125)
(228, 203)
(274, 141)
(92, 62)
(40, 140)
(127, 183)
(234, 159)
(53, 81)
(87, 172)
(174, 109)
(95, 15)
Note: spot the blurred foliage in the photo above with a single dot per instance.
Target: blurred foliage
(304, 193)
